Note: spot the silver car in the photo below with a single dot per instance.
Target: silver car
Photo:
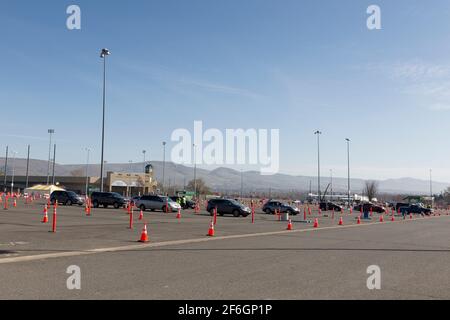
(157, 203)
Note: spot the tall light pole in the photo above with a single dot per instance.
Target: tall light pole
(50, 132)
(28, 166)
(144, 152)
(54, 160)
(431, 190)
(331, 184)
(195, 170)
(242, 183)
(164, 165)
(88, 151)
(13, 171)
(6, 168)
(348, 170)
(318, 133)
(104, 53)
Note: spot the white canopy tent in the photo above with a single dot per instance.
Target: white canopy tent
(43, 190)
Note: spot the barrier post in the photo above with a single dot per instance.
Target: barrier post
(253, 212)
(131, 218)
(54, 216)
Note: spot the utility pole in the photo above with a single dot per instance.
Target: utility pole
(104, 53)
(54, 159)
(28, 166)
(318, 133)
(6, 168)
(13, 171)
(50, 132)
(348, 170)
(431, 190)
(331, 184)
(242, 183)
(195, 171)
(87, 171)
(164, 166)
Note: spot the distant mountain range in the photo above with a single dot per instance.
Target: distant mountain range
(225, 179)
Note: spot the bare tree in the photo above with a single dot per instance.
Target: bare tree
(202, 188)
(371, 189)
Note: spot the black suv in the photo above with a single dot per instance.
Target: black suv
(270, 206)
(66, 198)
(106, 199)
(325, 206)
(415, 209)
(227, 206)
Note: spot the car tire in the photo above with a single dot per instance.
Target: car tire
(267, 211)
(95, 204)
(142, 207)
(116, 205)
(68, 203)
(105, 206)
(236, 213)
(211, 212)
(244, 215)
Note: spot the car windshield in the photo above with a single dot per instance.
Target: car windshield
(71, 193)
(116, 195)
(236, 203)
(167, 199)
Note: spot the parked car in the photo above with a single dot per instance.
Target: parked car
(66, 198)
(227, 206)
(155, 202)
(325, 206)
(106, 199)
(415, 209)
(270, 206)
(133, 200)
(368, 205)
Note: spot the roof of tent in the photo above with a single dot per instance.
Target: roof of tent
(43, 188)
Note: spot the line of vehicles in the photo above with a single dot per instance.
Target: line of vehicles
(399, 207)
(224, 206)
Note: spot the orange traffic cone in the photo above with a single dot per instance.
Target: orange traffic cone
(141, 215)
(410, 216)
(179, 214)
(358, 221)
(392, 218)
(289, 226)
(381, 218)
(15, 203)
(144, 235)
(211, 230)
(45, 218)
(316, 223)
(341, 222)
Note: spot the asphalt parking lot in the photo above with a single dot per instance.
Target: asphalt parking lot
(244, 260)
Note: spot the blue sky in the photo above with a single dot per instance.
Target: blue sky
(294, 65)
